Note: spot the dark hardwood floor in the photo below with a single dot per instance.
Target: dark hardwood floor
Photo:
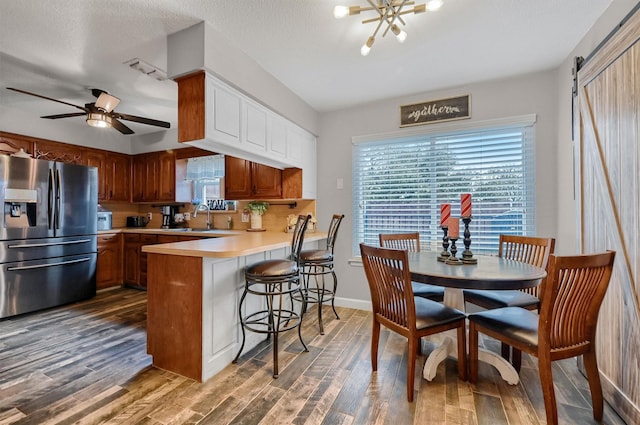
(86, 363)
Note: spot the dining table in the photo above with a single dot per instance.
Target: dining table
(488, 273)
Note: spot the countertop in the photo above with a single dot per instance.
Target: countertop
(224, 243)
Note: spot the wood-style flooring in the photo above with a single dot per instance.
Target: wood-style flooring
(86, 363)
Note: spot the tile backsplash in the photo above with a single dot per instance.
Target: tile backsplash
(275, 219)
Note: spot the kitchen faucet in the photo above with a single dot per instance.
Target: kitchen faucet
(199, 208)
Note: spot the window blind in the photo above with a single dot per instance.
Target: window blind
(399, 184)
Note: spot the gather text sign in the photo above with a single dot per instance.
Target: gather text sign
(453, 108)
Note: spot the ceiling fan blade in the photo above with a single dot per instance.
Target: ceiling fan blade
(120, 127)
(55, 117)
(107, 102)
(47, 98)
(143, 120)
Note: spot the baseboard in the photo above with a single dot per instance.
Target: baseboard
(353, 303)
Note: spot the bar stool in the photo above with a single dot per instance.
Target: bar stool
(277, 281)
(318, 263)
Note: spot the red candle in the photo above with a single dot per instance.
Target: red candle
(465, 209)
(445, 213)
(454, 228)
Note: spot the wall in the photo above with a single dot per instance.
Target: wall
(529, 94)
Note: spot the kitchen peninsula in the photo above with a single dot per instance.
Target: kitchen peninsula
(194, 288)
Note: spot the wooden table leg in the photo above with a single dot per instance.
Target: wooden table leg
(453, 297)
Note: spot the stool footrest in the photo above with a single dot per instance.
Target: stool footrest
(259, 321)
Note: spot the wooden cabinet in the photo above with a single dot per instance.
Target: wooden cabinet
(154, 177)
(246, 180)
(145, 240)
(97, 158)
(134, 264)
(135, 261)
(118, 177)
(131, 264)
(108, 269)
(114, 174)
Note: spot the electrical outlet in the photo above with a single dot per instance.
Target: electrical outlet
(149, 216)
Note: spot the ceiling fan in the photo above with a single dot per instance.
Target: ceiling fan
(101, 112)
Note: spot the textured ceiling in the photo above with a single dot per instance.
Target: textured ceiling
(60, 48)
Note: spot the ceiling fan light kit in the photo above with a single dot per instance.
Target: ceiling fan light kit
(390, 13)
(100, 113)
(98, 119)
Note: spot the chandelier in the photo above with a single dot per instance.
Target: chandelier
(389, 13)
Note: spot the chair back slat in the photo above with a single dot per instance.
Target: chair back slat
(527, 249)
(298, 236)
(407, 241)
(571, 299)
(332, 234)
(390, 284)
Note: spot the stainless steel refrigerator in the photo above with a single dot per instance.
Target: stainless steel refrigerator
(48, 241)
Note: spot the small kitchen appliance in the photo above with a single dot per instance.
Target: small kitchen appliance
(104, 219)
(168, 216)
(136, 221)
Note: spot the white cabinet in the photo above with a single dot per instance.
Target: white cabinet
(239, 126)
(277, 136)
(223, 113)
(295, 141)
(309, 168)
(254, 121)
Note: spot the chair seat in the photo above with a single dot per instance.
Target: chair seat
(430, 313)
(500, 299)
(515, 323)
(316, 255)
(431, 292)
(272, 268)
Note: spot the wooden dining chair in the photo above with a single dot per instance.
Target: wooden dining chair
(411, 242)
(566, 326)
(526, 249)
(395, 307)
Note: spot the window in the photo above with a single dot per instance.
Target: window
(206, 174)
(399, 182)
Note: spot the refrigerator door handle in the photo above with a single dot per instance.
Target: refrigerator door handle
(50, 200)
(41, 266)
(40, 245)
(58, 195)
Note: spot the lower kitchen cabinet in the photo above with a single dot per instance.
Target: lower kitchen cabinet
(135, 261)
(109, 259)
(134, 264)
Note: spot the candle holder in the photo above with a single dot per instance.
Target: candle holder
(467, 255)
(445, 245)
(452, 258)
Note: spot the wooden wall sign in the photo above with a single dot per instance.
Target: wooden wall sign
(453, 108)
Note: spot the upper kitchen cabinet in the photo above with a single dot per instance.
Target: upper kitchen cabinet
(114, 174)
(249, 180)
(154, 178)
(214, 116)
(309, 168)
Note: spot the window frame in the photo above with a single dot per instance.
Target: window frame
(452, 129)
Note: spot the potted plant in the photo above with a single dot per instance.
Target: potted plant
(257, 208)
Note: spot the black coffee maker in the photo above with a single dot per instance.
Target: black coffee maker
(168, 216)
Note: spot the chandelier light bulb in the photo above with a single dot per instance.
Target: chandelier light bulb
(340, 11)
(366, 47)
(434, 5)
(401, 36)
